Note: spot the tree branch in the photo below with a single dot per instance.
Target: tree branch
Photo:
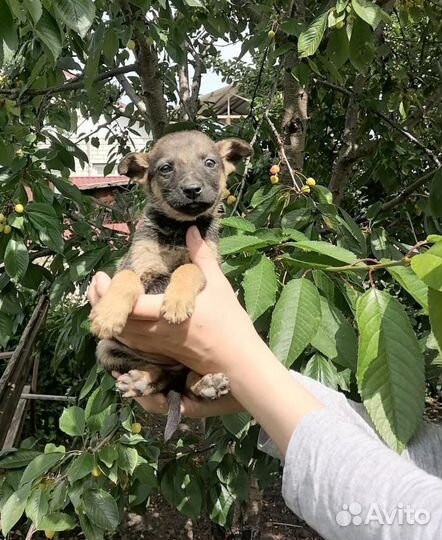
(150, 76)
(410, 137)
(73, 84)
(408, 190)
(133, 96)
(342, 168)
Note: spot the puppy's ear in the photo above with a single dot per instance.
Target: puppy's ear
(233, 150)
(135, 165)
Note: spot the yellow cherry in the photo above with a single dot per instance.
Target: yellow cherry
(136, 428)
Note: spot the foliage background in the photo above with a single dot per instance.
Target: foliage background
(346, 92)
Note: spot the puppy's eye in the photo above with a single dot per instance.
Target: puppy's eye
(210, 163)
(166, 169)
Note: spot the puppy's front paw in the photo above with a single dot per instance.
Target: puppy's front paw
(177, 309)
(135, 384)
(212, 386)
(107, 320)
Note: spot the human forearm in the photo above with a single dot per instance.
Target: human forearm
(266, 390)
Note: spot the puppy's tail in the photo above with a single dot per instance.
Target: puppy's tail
(173, 415)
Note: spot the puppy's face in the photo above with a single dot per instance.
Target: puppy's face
(185, 172)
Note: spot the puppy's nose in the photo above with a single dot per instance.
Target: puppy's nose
(192, 191)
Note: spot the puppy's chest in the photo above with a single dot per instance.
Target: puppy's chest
(154, 262)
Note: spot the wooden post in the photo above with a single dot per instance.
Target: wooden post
(18, 367)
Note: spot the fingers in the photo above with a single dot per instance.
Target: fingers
(102, 283)
(155, 404)
(99, 285)
(200, 252)
(148, 307)
(92, 295)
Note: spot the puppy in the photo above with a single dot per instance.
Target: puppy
(185, 176)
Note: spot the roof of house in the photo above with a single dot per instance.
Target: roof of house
(92, 182)
(224, 101)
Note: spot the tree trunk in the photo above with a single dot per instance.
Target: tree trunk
(350, 152)
(295, 102)
(343, 166)
(152, 85)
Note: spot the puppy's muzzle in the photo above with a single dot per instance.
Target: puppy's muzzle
(192, 191)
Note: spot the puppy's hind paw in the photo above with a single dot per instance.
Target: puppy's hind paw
(136, 383)
(212, 386)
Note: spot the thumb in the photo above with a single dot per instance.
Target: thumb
(200, 253)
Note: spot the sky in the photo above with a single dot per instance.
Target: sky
(210, 81)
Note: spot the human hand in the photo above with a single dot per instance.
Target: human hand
(192, 408)
(218, 332)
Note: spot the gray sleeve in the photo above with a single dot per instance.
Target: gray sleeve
(344, 482)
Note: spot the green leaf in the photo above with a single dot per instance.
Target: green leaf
(260, 286)
(436, 195)
(40, 466)
(109, 167)
(89, 383)
(57, 521)
(35, 10)
(236, 424)
(16, 257)
(335, 337)
(37, 506)
(13, 509)
(390, 373)
(329, 250)
(17, 459)
(127, 458)
(76, 14)
(48, 32)
(221, 501)
(295, 320)
(95, 48)
(338, 47)
(296, 219)
(108, 455)
(8, 30)
(80, 467)
(45, 220)
(83, 265)
(428, 266)
(6, 328)
(91, 531)
(435, 311)
(362, 50)
(194, 3)
(101, 508)
(322, 370)
(67, 189)
(238, 223)
(182, 488)
(370, 12)
(408, 280)
(310, 39)
(72, 421)
(235, 244)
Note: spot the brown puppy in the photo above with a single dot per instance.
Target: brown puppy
(185, 175)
